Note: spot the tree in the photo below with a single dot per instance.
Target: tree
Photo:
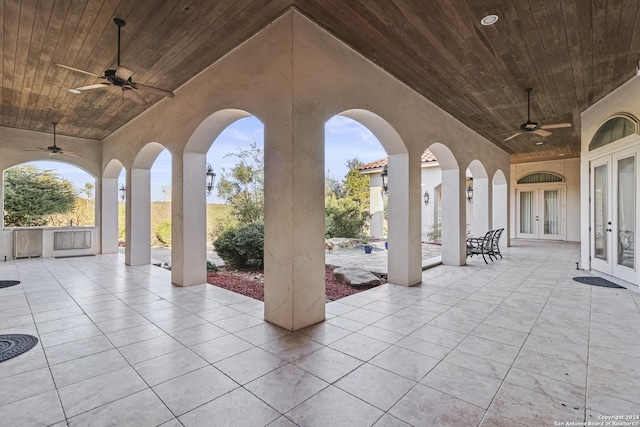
(31, 194)
(243, 186)
(347, 203)
(355, 184)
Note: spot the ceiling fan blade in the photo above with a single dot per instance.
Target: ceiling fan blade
(123, 73)
(79, 70)
(36, 149)
(153, 90)
(91, 87)
(557, 126)
(513, 136)
(542, 132)
(68, 153)
(134, 96)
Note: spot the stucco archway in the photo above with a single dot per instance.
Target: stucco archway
(189, 215)
(453, 206)
(500, 203)
(109, 217)
(481, 206)
(405, 254)
(138, 205)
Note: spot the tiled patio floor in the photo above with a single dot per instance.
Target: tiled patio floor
(517, 342)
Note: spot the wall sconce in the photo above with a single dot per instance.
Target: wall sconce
(470, 194)
(211, 179)
(385, 185)
(426, 198)
(123, 192)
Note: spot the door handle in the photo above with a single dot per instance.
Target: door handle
(608, 229)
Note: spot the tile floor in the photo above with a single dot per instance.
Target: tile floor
(513, 343)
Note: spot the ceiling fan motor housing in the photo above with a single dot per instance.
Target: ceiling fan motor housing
(529, 126)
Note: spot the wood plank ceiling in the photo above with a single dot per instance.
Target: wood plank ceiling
(571, 52)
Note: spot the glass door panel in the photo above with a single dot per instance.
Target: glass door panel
(551, 199)
(527, 223)
(626, 215)
(600, 212)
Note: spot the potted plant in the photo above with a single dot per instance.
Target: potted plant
(365, 240)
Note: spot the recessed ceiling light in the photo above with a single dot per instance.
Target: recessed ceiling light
(561, 154)
(74, 91)
(539, 143)
(489, 20)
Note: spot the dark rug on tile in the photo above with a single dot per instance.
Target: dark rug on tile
(7, 283)
(73, 256)
(12, 345)
(597, 281)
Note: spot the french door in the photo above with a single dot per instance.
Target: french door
(614, 180)
(540, 212)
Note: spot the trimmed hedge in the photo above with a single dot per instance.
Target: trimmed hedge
(238, 246)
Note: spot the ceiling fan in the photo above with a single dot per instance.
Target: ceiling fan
(534, 127)
(119, 78)
(54, 149)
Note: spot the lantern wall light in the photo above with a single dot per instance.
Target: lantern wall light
(426, 197)
(470, 194)
(211, 179)
(385, 185)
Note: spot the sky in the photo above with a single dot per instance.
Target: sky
(344, 140)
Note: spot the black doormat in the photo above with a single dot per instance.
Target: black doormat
(13, 345)
(597, 281)
(7, 283)
(73, 256)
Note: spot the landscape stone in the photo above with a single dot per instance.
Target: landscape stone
(356, 277)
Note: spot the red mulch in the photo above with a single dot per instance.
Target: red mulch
(251, 283)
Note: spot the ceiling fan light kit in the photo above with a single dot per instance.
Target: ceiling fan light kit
(534, 127)
(120, 77)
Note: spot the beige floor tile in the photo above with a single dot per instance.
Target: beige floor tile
(478, 364)
(291, 347)
(90, 366)
(43, 409)
(465, 384)
(220, 348)
(237, 408)
(428, 407)
(249, 365)
(286, 387)
(333, 407)
(143, 408)
(375, 386)
(163, 368)
(489, 349)
(26, 384)
(359, 346)
(184, 393)
(404, 362)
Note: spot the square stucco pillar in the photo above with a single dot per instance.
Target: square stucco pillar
(453, 217)
(405, 249)
(109, 217)
(376, 206)
(294, 223)
(188, 220)
(138, 249)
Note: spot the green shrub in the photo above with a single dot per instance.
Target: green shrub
(163, 232)
(344, 218)
(211, 267)
(238, 246)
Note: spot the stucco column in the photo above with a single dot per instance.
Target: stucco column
(376, 206)
(188, 219)
(138, 249)
(109, 218)
(405, 250)
(453, 217)
(294, 221)
(481, 222)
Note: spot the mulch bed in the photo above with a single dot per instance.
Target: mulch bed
(251, 283)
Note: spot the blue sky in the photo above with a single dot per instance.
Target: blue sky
(344, 140)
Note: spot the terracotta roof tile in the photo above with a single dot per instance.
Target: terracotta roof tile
(427, 157)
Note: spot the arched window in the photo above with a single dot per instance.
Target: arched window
(540, 177)
(612, 130)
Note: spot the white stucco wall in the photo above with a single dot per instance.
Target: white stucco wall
(431, 178)
(570, 170)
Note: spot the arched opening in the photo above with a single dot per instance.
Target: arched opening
(500, 202)
(478, 196)
(48, 193)
(113, 206)
(450, 206)
(138, 202)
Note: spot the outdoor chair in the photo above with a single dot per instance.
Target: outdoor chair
(481, 246)
(495, 240)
